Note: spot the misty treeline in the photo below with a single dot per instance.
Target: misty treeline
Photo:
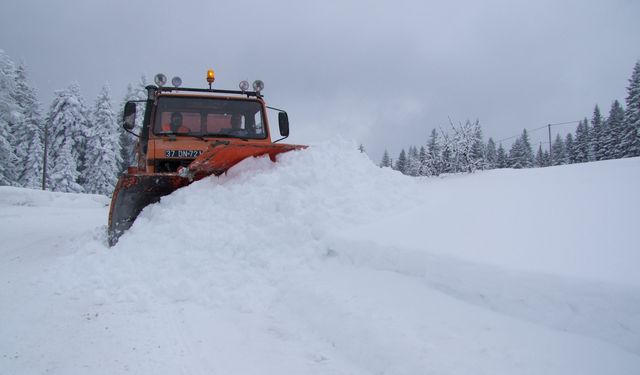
(461, 148)
(86, 148)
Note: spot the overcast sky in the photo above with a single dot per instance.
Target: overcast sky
(380, 73)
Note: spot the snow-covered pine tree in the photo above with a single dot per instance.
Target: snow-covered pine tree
(64, 171)
(516, 154)
(547, 158)
(433, 155)
(413, 162)
(401, 163)
(128, 141)
(501, 158)
(597, 135)
(447, 162)
(82, 132)
(539, 161)
(386, 161)
(9, 116)
(67, 126)
(527, 150)
(631, 134)
(558, 155)
(478, 149)
(615, 127)
(29, 133)
(491, 156)
(422, 159)
(103, 148)
(569, 149)
(581, 145)
(521, 154)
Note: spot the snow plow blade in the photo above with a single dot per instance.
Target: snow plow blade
(138, 190)
(223, 155)
(135, 192)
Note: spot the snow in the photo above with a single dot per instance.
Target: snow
(323, 263)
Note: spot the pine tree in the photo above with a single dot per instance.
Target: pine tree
(516, 154)
(501, 158)
(28, 134)
(103, 148)
(386, 161)
(401, 163)
(82, 132)
(596, 140)
(422, 159)
(67, 126)
(615, 126)
(569, 149)
(546, 157)
(527, 151)
(558, 155)
(64, 171)
(9, 116)
(581, 150)
(413, 162)
(447, 162)
(539, 160)
(491, 156)
(434, 163)
(630, 142)
(521, 154)
(128, 141)
(478, 150)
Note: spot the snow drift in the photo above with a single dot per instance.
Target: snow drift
(325, 264)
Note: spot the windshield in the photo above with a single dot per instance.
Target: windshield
(209, 117)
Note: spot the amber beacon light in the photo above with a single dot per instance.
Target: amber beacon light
(210, 77)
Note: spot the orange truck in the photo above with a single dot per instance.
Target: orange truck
(188, 134)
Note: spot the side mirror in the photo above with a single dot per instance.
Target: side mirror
(283, 121)
(129, 118)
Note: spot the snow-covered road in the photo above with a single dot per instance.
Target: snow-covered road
(325, 264)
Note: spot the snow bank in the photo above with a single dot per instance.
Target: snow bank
(323, 263)
(13, 196)
(574, 220)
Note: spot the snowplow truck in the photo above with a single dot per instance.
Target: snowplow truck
(188, 134)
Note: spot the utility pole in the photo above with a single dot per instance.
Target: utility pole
(44, 165)
(550, 155)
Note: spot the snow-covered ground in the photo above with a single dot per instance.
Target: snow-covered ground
(325, 264)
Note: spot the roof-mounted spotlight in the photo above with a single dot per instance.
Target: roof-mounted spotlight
(244, 86)
(160, 79)
(258, 85)
(176, 81)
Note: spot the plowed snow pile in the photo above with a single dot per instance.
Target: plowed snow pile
(325, 264)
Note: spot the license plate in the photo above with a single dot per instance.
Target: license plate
(182, 153)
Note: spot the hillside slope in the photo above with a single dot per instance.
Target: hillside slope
(325, 264)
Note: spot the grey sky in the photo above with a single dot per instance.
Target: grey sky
(381, 73)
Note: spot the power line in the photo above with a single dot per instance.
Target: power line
(540, 128)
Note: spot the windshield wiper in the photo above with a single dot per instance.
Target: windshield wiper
(183, 135)
(221, 135)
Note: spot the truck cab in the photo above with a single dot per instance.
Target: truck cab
(181, 123)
